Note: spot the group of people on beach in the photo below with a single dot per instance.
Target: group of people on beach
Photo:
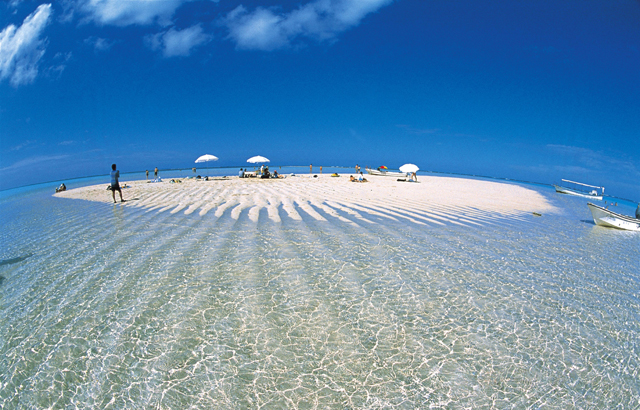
(263, 172)
(360, 178)
(155, 175)
(311, 169)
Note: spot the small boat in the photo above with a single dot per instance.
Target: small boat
(604, 217)
(593, 194)
(385, 173)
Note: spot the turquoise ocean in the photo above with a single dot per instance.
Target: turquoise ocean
(112, 307)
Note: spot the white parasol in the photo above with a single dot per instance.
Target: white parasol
(257, 159)
(409, 168)
(206, 158)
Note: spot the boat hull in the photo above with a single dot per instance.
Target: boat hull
(605, 217)
(569, 191)
(386, 173)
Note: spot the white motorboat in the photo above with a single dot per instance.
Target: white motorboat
(593, 194)
(386, 173)
(604, 217)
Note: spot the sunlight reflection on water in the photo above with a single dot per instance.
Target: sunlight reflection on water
(123, 307)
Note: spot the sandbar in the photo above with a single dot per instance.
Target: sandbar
(434, 200)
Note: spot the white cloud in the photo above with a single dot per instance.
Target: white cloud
(99, 44)
(265, 29)
(60, 61)
(21, 47)
(262, 29)
(127, 12)
(180, 42)
(175, 43)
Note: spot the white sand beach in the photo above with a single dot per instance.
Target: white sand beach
(434, 200)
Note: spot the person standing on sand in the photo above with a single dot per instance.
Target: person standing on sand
(311, 169)
(155, 173)
(147, 172)
(357, 169)
(115, 184)
(321, 169)
(638, 212)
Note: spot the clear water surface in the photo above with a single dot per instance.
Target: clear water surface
(103, 306)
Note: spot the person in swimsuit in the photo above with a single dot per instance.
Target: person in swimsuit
(115, 185)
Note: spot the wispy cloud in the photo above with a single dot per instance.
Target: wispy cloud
(32, 161)
(267, 29)
(262, 28)
(594, 159)
(99, 44)
(60, 61)
(22, 145)
(127, 12)
(21, 48)
(418, 131)
(582, 155)
(175, 43)
(567, 170)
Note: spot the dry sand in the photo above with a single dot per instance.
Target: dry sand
(432, 201)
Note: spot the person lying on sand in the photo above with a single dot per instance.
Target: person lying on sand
(359, 179)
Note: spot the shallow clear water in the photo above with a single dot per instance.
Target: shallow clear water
(103, 306)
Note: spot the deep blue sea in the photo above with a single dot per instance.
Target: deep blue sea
(111, 307)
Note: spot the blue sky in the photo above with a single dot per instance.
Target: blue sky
(535, 90)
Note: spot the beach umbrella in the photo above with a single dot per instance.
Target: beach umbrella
(257, 159)
(206, 158)
(384, 167)
(409, 168)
